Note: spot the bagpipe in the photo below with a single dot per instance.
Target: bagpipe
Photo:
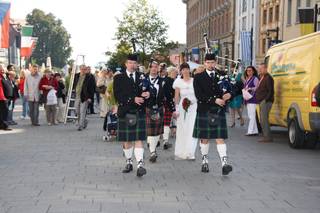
(226, 83)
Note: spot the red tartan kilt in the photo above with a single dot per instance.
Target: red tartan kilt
(167, 117)
(154, 128)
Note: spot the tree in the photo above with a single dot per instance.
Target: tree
(142, 22)
(118, 58)
(53, 38)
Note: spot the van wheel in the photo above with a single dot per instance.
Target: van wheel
(296, 135)
(311, 141)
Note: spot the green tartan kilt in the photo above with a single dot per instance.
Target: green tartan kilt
(154, 128)
(127, 133)
(203, 130)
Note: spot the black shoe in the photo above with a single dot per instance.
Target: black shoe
(141, 171)
(80, 128)
(205, 168)
(6, 129)
(36, 124)
(128, 168)
(153, 157)
(226, 169)
(167, 146)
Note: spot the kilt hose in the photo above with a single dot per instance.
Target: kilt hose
(154, 127)
(203, 130)
(167, 117)
(137, 132)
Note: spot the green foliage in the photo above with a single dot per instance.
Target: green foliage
(53, 38)
(143, 22)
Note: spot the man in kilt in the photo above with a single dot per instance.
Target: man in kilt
(168, 107)
(211, 119)
(131, 97)
(155, 109)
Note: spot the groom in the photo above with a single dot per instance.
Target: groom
(155, 110)
(211, 119)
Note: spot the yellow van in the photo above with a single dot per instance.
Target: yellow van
(295, 67)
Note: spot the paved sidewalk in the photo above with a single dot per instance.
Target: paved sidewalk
(58, 169)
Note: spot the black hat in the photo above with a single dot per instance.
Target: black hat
(132, 57)
(184, 65)
(210, 56)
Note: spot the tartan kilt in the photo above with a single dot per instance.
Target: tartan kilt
(203, 130)
(154, 128)
(127, 133)
(167, 117)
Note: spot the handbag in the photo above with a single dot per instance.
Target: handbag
(246, 95)
(131, 119)
(214, 118)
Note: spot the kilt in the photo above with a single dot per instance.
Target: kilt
(127, 133)
(167, 117)
(154, 128)
(203, 130)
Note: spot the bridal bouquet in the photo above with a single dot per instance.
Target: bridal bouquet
(185, 105)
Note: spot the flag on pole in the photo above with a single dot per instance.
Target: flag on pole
(5, 24)
(245, 37)
(27, 41)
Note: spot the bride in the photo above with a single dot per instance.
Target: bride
(186, 107)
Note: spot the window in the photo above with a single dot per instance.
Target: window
(244, 6)
(297, 15)
(308, 4)
(289, 12)
(252, 3)
(244, 23)
(263, 45)
(271, 15)
(277, 13)
(264, 18)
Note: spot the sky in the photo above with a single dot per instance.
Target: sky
(92, 24)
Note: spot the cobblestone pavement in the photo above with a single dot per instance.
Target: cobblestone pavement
(58, 169)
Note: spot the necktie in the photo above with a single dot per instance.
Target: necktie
(212, 75)
(131, 77)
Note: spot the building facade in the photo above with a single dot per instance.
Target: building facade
(247, 30)
(291, 22)
(271, 27)
(214, 17)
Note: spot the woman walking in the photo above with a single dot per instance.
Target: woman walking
(49, 85)
(236, 104)
(186, 110)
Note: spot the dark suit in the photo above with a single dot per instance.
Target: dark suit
(206, 90)
(125, 92)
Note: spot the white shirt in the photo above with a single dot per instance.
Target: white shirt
(155, 82)
(133, 75)
(209, 72)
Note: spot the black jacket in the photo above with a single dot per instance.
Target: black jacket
(169, 93)
(207, 90)
(162, 96)
(125, 92)
(88, 87)
(8, 89)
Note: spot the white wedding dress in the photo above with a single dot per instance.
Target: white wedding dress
(185, 145)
